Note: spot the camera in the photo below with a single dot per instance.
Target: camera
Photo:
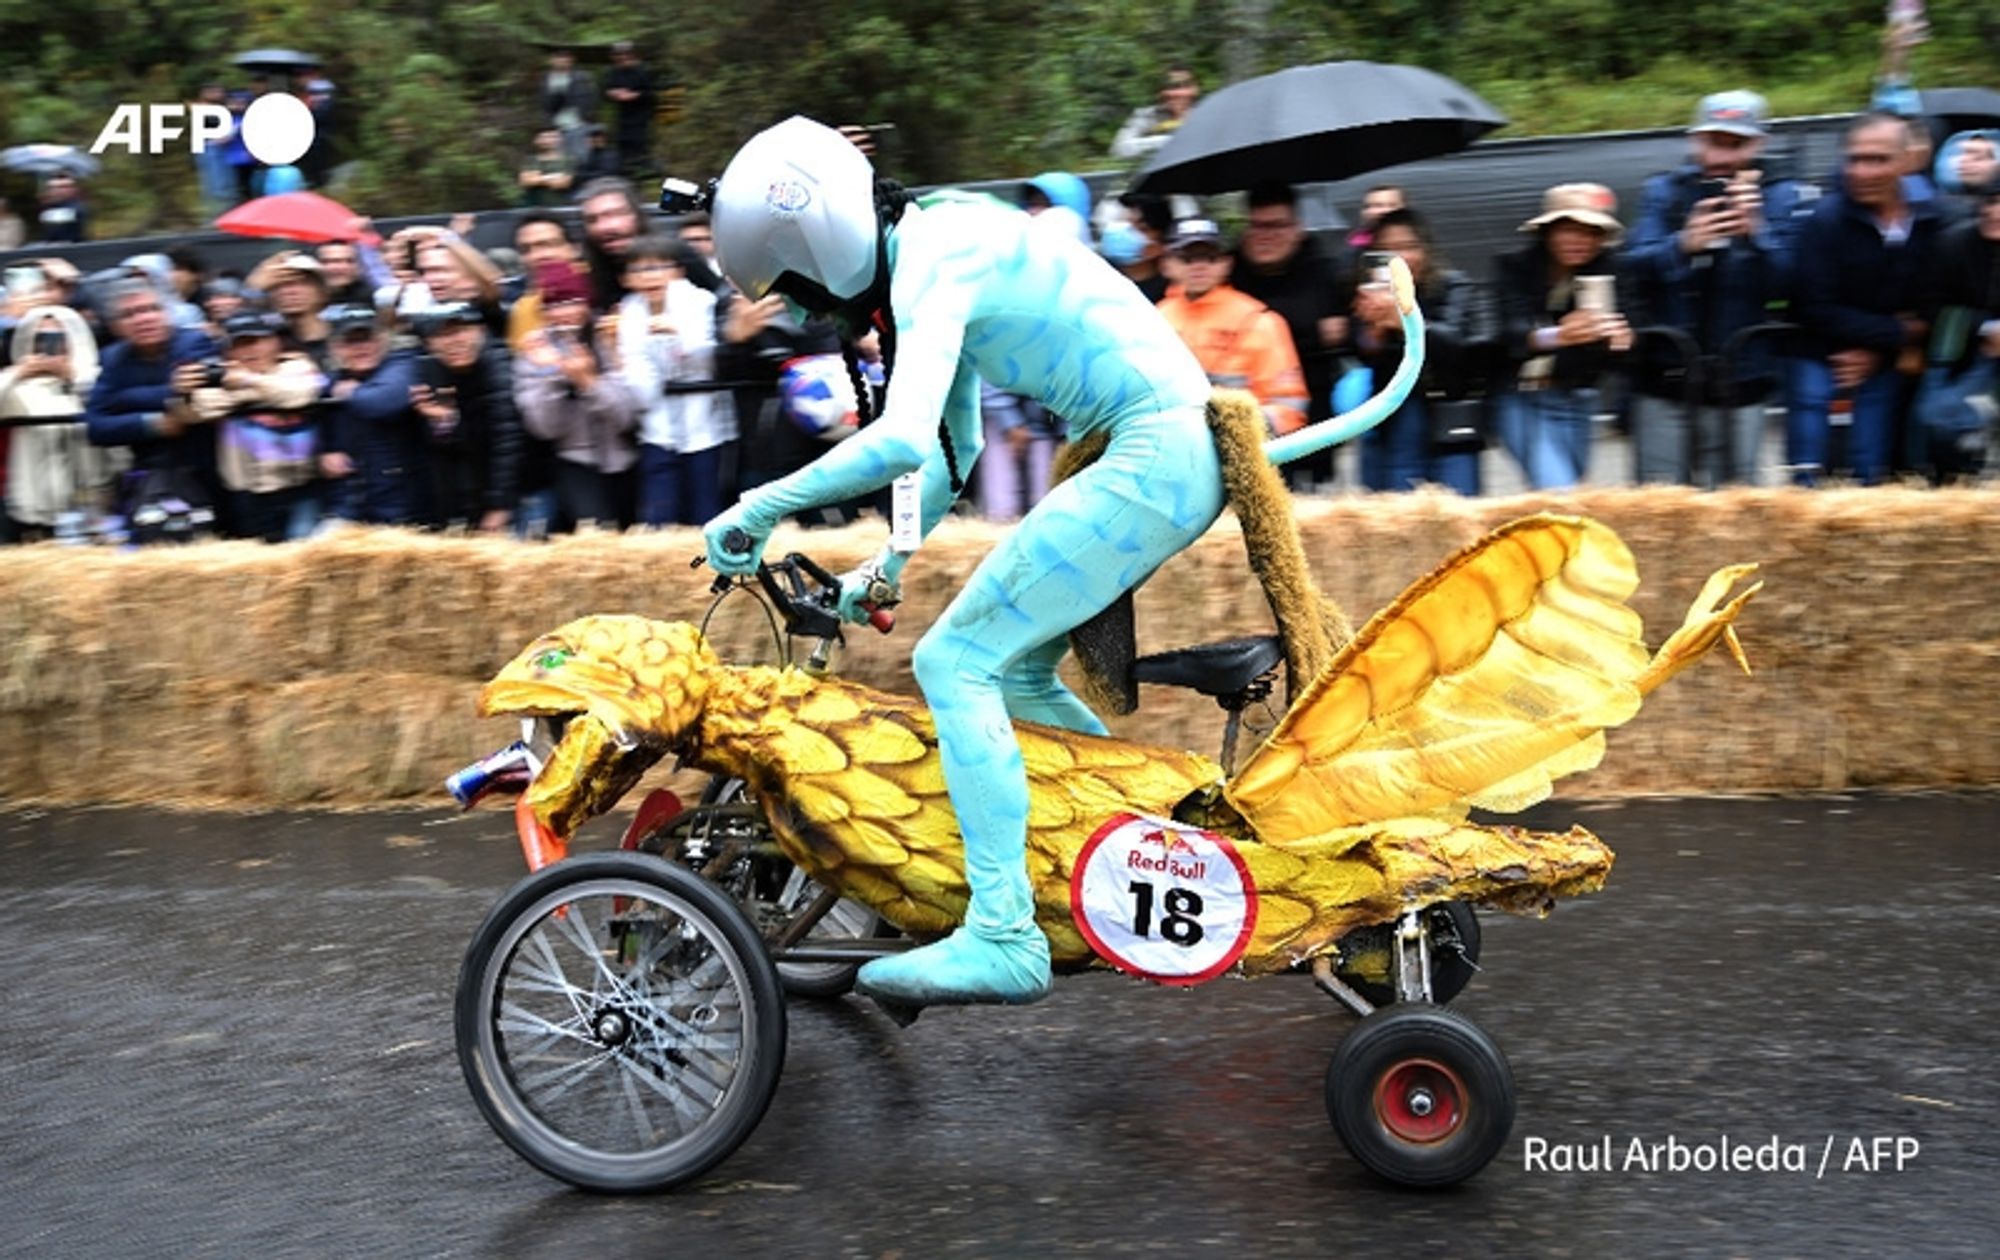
(684, 196)
(50, 341)
(212, 373)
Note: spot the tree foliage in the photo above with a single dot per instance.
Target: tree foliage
(438, 99)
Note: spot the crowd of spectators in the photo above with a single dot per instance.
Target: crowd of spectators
(409, 381)
(606, 373)
(1862, 303)
(574, 146)
(587, 131)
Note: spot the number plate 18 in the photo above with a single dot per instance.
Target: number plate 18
(1163, 900)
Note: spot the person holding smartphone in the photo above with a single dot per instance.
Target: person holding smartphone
(464, 392)
(572, 392)
(665, 336)
(1563, 330)
(51, 469)
(1415, 446)
(1712, 248)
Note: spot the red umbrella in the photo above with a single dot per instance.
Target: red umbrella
(295, 216)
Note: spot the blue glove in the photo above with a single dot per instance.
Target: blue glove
(873, 583)
(734, 526)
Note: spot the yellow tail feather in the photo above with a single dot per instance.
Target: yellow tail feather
(1480, 686)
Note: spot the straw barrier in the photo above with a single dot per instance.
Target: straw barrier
(342, 671)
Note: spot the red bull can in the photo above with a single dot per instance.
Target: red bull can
(470, 785)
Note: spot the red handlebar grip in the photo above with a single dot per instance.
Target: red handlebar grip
(882, 619)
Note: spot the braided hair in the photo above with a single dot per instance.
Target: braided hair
(891, 199)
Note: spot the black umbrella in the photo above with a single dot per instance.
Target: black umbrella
(280, 59)
(1962, 109)
(48, 159)
(1313, 123)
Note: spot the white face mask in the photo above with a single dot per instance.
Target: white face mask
(1122, 244)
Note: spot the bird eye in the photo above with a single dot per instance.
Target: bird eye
(552, 659)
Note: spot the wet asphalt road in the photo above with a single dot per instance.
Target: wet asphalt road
(231, 1036)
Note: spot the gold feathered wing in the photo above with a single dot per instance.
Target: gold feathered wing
(1484, 683)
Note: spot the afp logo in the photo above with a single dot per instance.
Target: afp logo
(277, 129)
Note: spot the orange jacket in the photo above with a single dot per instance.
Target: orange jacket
(1242, 344)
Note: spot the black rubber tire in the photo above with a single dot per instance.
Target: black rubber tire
(1450, 972)
(1388, 1042)
(735, 943)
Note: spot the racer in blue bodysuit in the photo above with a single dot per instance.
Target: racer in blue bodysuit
(970, 289)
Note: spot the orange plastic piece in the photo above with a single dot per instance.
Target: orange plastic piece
(538, 844)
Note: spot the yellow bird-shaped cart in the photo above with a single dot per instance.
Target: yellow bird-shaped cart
(1486, 681)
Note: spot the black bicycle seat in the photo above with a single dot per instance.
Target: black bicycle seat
(1213, 669)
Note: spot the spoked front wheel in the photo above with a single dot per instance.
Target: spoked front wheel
(1420, 1095)
(619, 1022)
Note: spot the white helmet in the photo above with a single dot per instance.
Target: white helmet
(795, 212)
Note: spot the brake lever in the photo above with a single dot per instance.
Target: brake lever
(880, 617)
(805, 616)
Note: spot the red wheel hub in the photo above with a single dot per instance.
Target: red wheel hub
(1420, 1100)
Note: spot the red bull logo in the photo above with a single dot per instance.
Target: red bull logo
(1177, 857)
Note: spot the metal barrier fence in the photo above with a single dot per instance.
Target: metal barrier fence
(670, 388)
(1707, 379)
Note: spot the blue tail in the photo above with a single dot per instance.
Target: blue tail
(1317, 437)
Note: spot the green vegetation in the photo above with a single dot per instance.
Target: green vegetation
(438, 99)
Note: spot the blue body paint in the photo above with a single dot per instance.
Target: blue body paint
(978, 291)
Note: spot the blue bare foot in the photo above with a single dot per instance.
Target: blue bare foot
(960, 969)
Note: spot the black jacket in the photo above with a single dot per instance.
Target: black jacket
(770, 444)
(1852, 285)
(476, 465)
(635, 118)
(1968, 293)
(1458, 335)
(1306, 290)
(1525, 305)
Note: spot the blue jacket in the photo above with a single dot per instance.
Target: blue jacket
(1711, 296)
(131, 392)
(386, 438)
(1852, 285)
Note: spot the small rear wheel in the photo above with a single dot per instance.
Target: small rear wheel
(619, 1022)
(1420, 1095)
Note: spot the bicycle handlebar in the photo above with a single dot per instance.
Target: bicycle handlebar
(809, 612)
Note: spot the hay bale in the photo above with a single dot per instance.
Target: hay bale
(342, 671)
